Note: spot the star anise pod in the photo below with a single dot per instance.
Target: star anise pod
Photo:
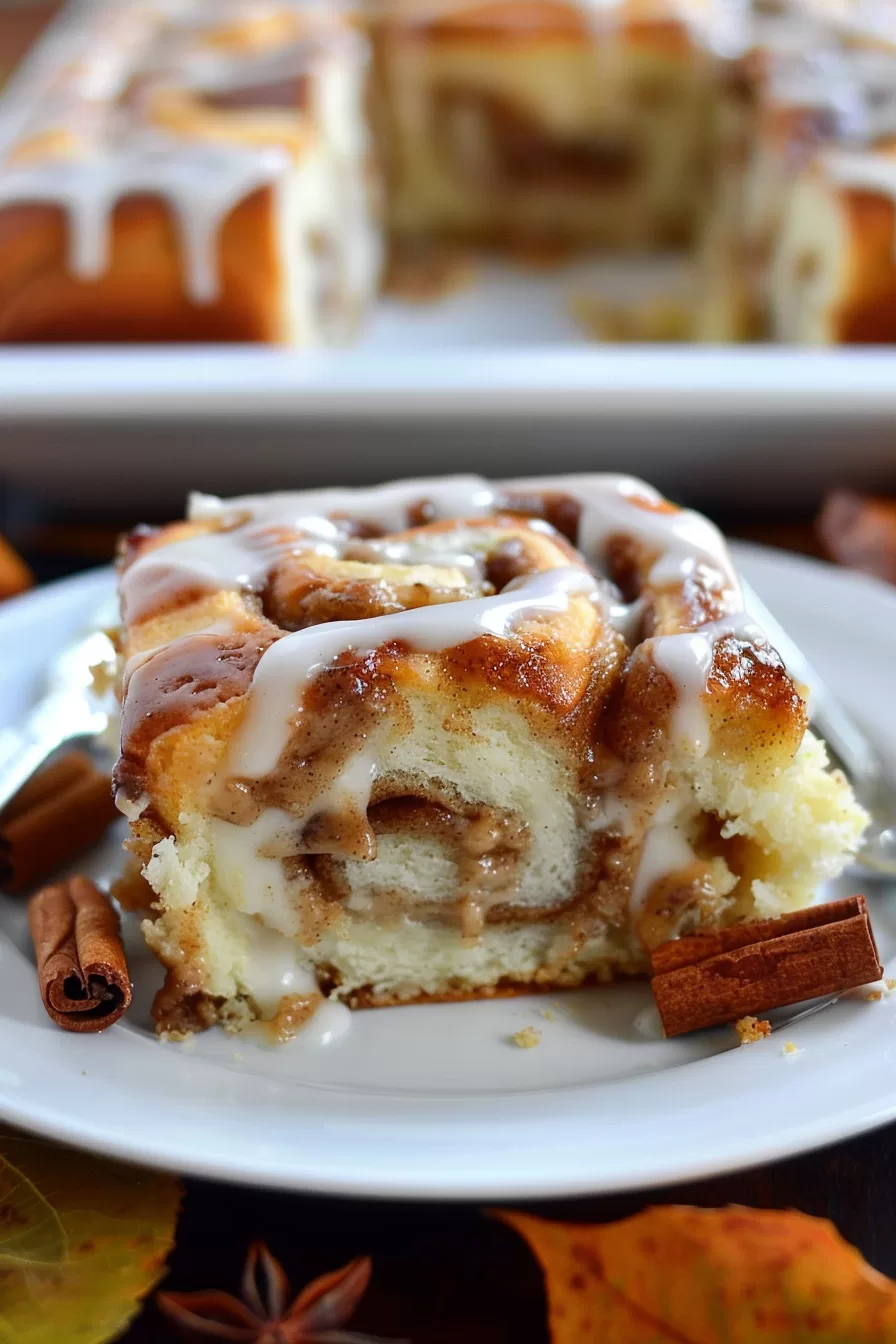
(265, 1315)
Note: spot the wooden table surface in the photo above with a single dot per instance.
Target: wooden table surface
(446, 1272)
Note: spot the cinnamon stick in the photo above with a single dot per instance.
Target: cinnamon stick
(81, 966)
(63, 810)
(860, 531)
(50, 779)
(748, 969)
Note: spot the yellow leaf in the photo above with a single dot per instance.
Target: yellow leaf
(30, 1230)
(118, 1222)
(679, 1275)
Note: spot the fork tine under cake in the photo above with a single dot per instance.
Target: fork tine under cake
(446, 739)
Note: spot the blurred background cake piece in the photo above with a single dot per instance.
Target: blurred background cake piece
(198, 182)
(509, 120)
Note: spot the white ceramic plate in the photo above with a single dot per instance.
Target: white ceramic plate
(435, 1100)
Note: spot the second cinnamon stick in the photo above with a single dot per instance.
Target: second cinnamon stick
(708, 980)
(81, 966)
(62, 811)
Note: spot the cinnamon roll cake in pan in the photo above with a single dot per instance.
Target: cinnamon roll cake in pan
(449, 738)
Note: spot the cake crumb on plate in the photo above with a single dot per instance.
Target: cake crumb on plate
(751, 1029)
(526, 1038)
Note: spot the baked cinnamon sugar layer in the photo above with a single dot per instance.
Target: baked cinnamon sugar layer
(442, 738)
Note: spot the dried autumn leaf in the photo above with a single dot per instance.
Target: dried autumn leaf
(117, 1226)
(31, 1232)
(708, 1276)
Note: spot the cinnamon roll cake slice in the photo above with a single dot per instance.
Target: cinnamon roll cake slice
(446, 739)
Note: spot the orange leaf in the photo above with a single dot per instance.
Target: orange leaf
(678, 1275)
(15, 576)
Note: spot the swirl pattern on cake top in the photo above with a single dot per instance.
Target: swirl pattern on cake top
(450, 738)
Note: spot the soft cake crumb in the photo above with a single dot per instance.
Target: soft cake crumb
(790, 1048)
(661, 319)
(874, 995)
(172, 1036)
(751, 1029)
(890, 984)
(547, 1014)
(419, 273)
(526, 1038)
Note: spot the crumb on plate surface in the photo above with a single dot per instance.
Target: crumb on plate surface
(751, 1029)
(526, 1038)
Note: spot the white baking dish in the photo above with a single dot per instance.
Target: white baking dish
(496, 378)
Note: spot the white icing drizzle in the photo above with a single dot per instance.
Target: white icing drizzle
(812, 68)
(385, 505)
(201, 183)
(293, 662)
(855, 86)
(272, 969)
(236, 560)
(682, 539)
(666, 850)
(610, 504)
(330, 1023)
(131, 808)
(863, 171)
(823, 81)
(687, 660)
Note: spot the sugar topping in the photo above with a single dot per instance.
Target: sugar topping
(678, 548)
(292, 663)
(262, 528)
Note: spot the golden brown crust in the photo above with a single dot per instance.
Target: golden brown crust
(867, 312)
(179, 1009)
(606, 973)
(531, 22)
(140, 295)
